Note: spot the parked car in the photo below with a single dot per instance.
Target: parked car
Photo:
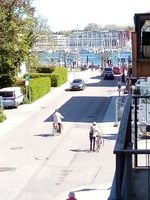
(108, 73)
(11, 97)
(117, 70)
(77, 84)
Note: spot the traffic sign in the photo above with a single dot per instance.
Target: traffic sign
(27, 77)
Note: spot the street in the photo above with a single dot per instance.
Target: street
(34, 165)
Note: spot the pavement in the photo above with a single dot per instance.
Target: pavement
(85, 192)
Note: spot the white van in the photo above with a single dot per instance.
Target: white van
(11, 96)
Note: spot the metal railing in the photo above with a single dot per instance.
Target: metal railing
(119, 107)
(132, 157)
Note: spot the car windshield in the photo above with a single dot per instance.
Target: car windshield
(77, 81)
(108, 69)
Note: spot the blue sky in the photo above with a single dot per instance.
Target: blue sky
(70, 14)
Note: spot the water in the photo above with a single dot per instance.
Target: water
(84, 57)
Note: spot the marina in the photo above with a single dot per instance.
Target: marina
(84, 57)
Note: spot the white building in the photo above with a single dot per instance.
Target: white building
(94, 40)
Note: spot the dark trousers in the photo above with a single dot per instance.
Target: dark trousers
(92, 143)
(59, 127)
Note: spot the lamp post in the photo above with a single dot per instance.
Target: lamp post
(77, 53)
(119, 87)
(27, 80)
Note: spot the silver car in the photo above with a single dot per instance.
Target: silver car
(77, 84)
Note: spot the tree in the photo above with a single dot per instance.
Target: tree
(17, 24)
(43, 31)
(92, 27)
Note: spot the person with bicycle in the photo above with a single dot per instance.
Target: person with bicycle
(94, 131)
(99, 140)
(57, 120)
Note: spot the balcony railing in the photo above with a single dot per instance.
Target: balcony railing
(132, 150)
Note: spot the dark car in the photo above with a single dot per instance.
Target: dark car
(108, 73)
(77, 84)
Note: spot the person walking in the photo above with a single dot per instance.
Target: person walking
(92, 135)
(57, 119)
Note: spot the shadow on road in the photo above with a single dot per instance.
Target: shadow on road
(79, 150)
(45, 135)
(85, 109)
(102, 82)
(110, 136)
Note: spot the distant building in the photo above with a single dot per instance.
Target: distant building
(98, 40)
(42, 43)
(94, 40)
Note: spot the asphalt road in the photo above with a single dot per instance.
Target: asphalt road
(34, 165)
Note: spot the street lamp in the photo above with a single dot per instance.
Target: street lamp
(27, 80)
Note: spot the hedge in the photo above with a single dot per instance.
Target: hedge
(2, 115)
(41, 83)
(39, 87)
(58, 77)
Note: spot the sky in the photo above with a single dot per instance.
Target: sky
(77, 14)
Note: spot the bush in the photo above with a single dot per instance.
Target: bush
(2, 115)
(39, 87)
(59, 76)
(45, 69)
(41, 83)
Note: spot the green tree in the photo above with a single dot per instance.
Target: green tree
(92, 27)
(17, 25)
(44, 32)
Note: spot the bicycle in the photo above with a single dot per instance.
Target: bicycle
(55, 128)
(99, 142)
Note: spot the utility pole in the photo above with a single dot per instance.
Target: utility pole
(77, 53)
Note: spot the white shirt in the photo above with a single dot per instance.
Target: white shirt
(95, 130)
(57, 117)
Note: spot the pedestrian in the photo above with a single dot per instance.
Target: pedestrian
(92, 135)
(71, 196)
(57, 119)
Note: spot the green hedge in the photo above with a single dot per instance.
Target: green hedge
(2, 115)
(39, 87)
(45, 69)
(41, 83)
(58, 77)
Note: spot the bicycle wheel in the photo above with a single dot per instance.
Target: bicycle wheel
(54, 129)
(61, 128)
(98, 145)
(102, 141)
